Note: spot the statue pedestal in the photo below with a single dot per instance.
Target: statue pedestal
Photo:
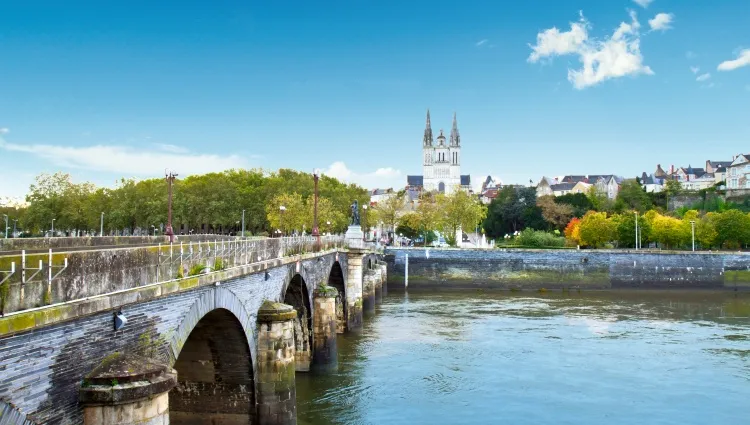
(354, 236)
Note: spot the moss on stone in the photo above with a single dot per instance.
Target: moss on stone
(736, 278)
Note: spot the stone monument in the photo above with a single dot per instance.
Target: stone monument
(354, 235)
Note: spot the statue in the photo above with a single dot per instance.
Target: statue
(355, 213)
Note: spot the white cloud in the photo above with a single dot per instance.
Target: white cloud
(694, 69)
(661, 22)
(382, 178)
(703, 77)
(480, 42)
(127, 160)
(4, 130)
(690, 55)
(171, 148)
(643, 3)
(743, 59)
(613, 57)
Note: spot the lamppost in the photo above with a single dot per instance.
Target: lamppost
(282, 209)
(364, 221)
(243, 223)
(692, 225)
(170, 176)
(636, 230)
(15, 220)
(154, 227)
(328, 227)
(101, 225)
(6, 225)
(53, 228)
(315, 230)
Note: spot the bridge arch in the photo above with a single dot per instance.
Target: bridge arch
(336, 279)
(211, 351)
(297, 294)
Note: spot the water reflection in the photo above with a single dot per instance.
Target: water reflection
(589, 358)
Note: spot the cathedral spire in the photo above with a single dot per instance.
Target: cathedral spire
(427, 140)
(455, 137)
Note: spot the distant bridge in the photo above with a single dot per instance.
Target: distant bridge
(202, 332)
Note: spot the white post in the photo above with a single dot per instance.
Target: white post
(692, 225)
(636, 230)
(406, 271)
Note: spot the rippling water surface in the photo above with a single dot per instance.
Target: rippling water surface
(592, 358)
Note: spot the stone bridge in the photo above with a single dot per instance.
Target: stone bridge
(144, 336)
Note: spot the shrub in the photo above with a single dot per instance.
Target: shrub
(539, 239)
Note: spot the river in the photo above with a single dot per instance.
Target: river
(501, 358)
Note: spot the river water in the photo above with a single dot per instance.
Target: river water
(589, 358)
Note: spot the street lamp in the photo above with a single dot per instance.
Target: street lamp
(328, 227)
(364, 221)
(6, 226)
(243, 223)
(15, 220)
(170, 176)
(315, 230)
(282, 209)
(53, 228)
(101, 225)
(636, 230)
(692, 225)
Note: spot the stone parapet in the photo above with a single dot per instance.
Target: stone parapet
(368, 291)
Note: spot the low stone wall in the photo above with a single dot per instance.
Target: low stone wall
(566, 269)
(17, 244)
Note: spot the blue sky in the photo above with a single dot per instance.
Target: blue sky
(103, 91)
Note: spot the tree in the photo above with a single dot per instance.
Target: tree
(458, 211)
(596, 229)
(427, 214)
(293, 216)
(512, 210)
(668, 231)
(599, 200)
(410, 226)
(632, 196)
(625, 229)
(580, 203)
(557, 215)
(387, 211)
(573, 231)
(732, 229)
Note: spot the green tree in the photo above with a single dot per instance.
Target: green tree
(632, 196)
(388, 210)
(512, 210)
(580, 203)
(556, 215)
(458, 211)
(291, 217)
(669, 232)
(596, 229)
(732, 229)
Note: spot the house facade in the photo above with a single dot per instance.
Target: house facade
(738, 173)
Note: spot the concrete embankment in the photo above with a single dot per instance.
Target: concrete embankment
(566, 269)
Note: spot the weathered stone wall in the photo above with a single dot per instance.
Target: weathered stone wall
(95, 272)
(43, 369)
(17, 244)
(535, 269)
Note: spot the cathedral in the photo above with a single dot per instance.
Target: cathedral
(441, 163)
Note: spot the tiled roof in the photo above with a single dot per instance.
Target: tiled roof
(562, 186)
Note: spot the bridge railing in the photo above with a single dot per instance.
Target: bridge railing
(29, 280)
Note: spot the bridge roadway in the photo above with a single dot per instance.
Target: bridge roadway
(131, 336)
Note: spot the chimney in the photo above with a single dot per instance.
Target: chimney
(671, 169)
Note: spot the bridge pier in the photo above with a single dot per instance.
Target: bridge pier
(277, 400)
(383, 277)
(378, 284)
(368, 292)
(325, 356)
(127, 390)
(355, 274)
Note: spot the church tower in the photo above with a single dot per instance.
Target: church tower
(427, 149)
(455, 154)
(441, 161)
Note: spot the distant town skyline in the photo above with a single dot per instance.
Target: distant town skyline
(540, 88)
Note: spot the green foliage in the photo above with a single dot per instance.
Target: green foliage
(632, 196)
(512, 210)
(596, 229)
(457, 211)
(218, 264)
(732, 229)
(578, 201)
(557, 215)
(539, 239)
(196, 269)
(180, 272)
(409, 226)
(4, 292)
(201, 202)
(114, 382)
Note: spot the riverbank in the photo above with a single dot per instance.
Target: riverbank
(532, 269)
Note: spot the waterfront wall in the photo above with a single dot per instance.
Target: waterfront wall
(566, 269)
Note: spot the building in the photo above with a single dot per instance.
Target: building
(380, 195)
(738, 173)
(718, 168)
(652, 183)
(581, 187)
(490, 188)
(441, 163)
(607, 184)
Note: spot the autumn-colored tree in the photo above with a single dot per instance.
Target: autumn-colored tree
(573, 231)
(557, 215)
(596, 229)
(669, 232)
